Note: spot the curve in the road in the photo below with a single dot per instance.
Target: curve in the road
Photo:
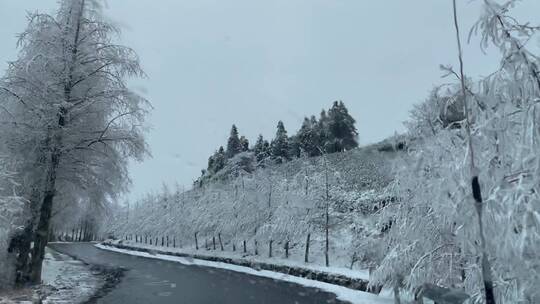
(151, 281)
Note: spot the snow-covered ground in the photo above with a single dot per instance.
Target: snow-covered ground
(362, 274)
(65, 280)
(342, 293)
(71, 281)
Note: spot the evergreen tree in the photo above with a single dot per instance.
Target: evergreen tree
(234, 146)
(211, 163)
(220, 159)
(280, 144)
(342, 134)
(294, 147)
(322, 131)
(308, 137)
(244, 143)
(217, 161)
(261, 149)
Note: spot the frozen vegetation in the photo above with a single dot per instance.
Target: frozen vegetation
(449, 210)
(280, 203)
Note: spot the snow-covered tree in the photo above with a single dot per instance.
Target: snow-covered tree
(441, 231)
(280, 144)
(261, 149)
(308, 137)
(234, 146)
(69, 111)
(244, 142)
(342, 134)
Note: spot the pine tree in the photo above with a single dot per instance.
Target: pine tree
(211, 163)
(261, 149)
(220, 159)
(294, 147)
(234, 146)
(308, 137)
(322, 131)
(244, 143)
(341, 130)
(280, 144)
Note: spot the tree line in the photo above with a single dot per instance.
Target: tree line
(334, 131)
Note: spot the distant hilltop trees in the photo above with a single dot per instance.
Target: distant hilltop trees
(334, 131)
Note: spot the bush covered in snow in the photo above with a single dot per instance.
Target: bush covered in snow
(12, 209)
(439, 232)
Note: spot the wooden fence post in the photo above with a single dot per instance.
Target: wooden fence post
(174, 242)
(156, 241)
(233, 247)
(306, 256)
(245, 250)
(287, 249)
(150, 241)
(167, 241)
(220, 242)
(214, 242)
(270, 249)
(196, 242)
(256, 248)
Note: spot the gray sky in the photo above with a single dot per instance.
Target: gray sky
(211, 63)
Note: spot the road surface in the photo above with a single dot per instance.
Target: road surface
(151, 281)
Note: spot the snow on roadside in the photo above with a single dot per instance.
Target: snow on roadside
(342, 293)
(66, 280)
(362, 274)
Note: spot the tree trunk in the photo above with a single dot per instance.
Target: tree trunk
(220, 242)
(42, 231)
(306, 255)
(397, 299)
(327, 217)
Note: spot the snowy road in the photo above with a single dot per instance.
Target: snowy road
(155, 281)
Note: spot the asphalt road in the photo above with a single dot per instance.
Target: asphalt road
(151, 281)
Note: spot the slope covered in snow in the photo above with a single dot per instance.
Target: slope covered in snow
(272, 209)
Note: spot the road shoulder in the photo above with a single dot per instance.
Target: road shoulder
(342, 293)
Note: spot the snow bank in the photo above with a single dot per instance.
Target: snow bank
(342, 293)
(65, 280)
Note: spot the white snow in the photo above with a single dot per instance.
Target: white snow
(72, 281)
(342, 293)
(65, 280)
(362, 274)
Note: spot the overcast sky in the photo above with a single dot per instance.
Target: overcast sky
(212, 63)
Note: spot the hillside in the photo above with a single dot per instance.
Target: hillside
(282, 203)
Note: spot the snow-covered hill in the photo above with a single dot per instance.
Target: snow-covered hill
(279, 203)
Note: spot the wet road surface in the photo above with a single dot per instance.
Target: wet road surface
(151, 281)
